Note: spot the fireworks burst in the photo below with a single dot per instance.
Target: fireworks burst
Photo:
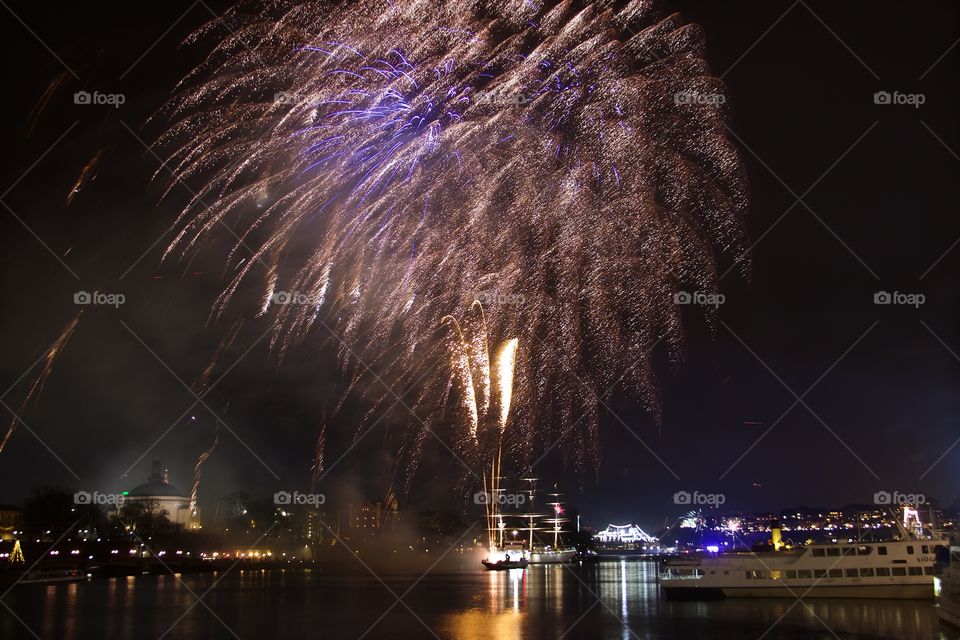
(387, 164)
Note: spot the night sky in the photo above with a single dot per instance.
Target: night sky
(849, 198)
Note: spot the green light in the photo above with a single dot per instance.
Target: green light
(126, 493)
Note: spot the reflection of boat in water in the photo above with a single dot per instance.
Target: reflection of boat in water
(546, 555)
(901, 568)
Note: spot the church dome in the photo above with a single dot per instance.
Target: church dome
(157, 485)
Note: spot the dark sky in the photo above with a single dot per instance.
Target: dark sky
(878, 213)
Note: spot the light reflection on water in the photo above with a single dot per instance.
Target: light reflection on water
(462, 604)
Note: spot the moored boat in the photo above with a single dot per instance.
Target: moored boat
(502, 564)
(902, 568)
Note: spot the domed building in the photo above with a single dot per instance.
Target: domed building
(158, 490)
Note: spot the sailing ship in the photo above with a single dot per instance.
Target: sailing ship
(529, 548)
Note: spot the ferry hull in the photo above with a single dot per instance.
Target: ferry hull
(880, 591)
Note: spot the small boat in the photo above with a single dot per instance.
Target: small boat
(500, 565)
(51, 576)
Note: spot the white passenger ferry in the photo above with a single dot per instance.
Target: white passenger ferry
(901, 568)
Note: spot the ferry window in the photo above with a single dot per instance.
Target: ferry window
(849, 551)
(864, 550)
(883, 571)
(698, 572)
(866, 573)
(899, 571)
(776, 574)
(910, 549)
(819, 573)
(915, 571)
(759, 574)
(928, 571)
(836, 573)
(925, 548)
(851, 573)
(882, 551)
(803, 573)
(791, 573)
(748, 574)
(833, 551)
(818, 553)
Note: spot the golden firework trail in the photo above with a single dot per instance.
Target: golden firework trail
(36, 387)
(319, 452)
(197, 468)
